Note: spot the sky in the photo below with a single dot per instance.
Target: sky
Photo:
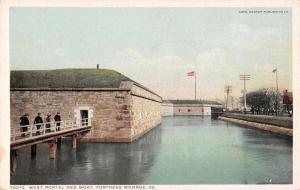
(156, 47)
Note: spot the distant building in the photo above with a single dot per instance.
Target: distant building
(167, 109)
(120, 109)
(188, 107)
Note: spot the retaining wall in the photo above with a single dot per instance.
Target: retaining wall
(286, 122)
(266, 127)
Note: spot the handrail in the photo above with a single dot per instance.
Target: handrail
(42, 129)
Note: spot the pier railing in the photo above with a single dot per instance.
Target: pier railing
(43, 129)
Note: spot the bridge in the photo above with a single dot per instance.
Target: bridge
(50, 132)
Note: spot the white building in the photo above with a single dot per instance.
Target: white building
(188, 107)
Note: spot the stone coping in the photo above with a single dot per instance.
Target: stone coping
(143, 87)
(129, 84)
(145, 98)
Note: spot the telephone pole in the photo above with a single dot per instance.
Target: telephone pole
(227, 90)
(195, 86)
(244, 78)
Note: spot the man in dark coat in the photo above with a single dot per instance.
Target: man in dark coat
(57, 119)
(24, 122)
(37, 122)
(287, 102)
(48, 124)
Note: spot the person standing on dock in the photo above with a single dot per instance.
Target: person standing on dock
(24, 122)
(57, 119)
(37, 122)
(48, 124)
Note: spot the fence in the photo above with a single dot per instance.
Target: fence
(43, 129)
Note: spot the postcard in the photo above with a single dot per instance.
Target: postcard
(140, 95)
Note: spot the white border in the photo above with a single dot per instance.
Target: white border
(4, 71)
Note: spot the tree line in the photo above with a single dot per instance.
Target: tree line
(264, 101)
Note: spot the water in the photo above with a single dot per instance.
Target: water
(182, 150)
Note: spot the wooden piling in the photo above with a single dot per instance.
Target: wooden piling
(52, 149)
(74, 141)
(33, 151)
(13, 160)
(59, 142)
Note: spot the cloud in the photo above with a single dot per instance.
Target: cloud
(212, 56)
(266, 78)
(58, 52)
(262, 68)
(39, 43)
(236, 27)
(215, 63)
(132, 54)
(165, 74)
(216, 69)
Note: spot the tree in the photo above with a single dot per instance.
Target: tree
(262, 101)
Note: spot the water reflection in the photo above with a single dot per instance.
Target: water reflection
(90, 163)
(183, 150)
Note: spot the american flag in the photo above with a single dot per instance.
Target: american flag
(191, 73)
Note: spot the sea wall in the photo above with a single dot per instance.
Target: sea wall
(281, 121)
(266, 127)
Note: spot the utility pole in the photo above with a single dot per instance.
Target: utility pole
(195, 86)
(227, 89)
(244, 78)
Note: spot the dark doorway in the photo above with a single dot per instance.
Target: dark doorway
(84, 114)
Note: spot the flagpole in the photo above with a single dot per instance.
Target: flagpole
(276, 92)
(195, 85)
(276, 108)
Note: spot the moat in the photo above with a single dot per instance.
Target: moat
(182, 150)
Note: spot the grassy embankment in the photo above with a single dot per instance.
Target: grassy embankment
(66, 78)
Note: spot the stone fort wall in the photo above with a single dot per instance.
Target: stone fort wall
(167, 109)
(118, 115)
(196, 109)
(145, 111)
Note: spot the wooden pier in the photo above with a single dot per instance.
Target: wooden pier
(34, 136)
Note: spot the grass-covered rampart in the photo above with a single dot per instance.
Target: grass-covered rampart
(66, 78)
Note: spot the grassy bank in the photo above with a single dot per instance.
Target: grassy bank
(286, 122)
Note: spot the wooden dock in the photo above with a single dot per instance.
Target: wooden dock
(52, 135)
